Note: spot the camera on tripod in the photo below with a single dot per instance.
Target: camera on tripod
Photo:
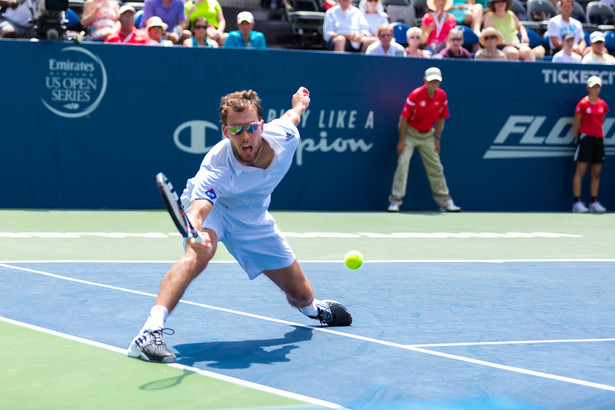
(50, 24)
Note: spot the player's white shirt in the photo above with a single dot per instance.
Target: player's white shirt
(562, 57)
(239, 191)
(557, 27)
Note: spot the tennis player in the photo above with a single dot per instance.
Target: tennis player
(587, 126)
(229, 199)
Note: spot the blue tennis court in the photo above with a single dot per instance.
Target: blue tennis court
(474, 334)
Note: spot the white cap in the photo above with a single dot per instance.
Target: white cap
(433, 73)
(594, 80)
(127, 7)
(245, 16)
(596, 36)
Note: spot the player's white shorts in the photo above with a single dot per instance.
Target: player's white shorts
(256, 248)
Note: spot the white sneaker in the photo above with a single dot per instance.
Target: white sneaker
(579, 207)
(450, 208)
(393, 207)
(596, 207)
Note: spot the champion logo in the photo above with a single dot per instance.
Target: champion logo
(211, 194)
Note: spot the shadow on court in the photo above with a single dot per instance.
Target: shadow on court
(242, 354)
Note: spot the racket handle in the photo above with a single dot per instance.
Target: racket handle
(197, 236)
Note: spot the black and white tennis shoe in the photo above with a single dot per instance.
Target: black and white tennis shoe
(332, 313)
(149, 346)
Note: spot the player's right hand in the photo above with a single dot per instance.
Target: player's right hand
(201, 248)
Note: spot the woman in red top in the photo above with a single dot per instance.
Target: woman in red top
(436, 25)
(587, 126)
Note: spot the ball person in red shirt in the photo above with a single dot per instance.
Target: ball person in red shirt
(587, 126)
(420, 125)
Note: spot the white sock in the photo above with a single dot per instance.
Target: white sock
(311, 310)
(157, 316)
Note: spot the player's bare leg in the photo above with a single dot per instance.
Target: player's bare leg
(149, 345)
(300, 294)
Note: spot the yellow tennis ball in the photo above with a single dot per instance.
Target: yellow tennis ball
(353, 260)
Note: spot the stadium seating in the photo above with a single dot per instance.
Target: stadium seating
(600, 14)
(399, 33)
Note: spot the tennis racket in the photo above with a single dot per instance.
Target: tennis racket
(175, 208)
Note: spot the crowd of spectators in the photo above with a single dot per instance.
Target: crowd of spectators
(191, 23)
(349, 26)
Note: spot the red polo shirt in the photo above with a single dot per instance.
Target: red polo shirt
(592, 116)
(422, 112)
(135, 37)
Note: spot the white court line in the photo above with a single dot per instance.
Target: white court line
(343, 334)
(366, 261)
(217, 376)
(515, 342)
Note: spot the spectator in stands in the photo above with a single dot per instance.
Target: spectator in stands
(200, 38)
(172, 14)
(101, 16)
(468, 13)
(598, 53)
(245, 37)
(374, 15)
(562, 24)
(490, 39)
(589, 115)
(566, 55)
(414, 35)
(386, 45)
(454, 45)
(420, 125)
(436, 25)
(506, 22)
(16, 20)
(127, 32)
(212, 11)
(155, 29)
(345, 28)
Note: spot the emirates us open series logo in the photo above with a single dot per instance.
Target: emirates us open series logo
(76, 83)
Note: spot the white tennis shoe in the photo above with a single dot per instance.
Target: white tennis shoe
(579, 207)
(149, 346)
(596, 207)
(393, 207)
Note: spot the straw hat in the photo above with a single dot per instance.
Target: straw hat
(155, 21)
(431, 5)
(489, 31)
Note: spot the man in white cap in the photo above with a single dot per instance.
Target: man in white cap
(245, 37)
(598, 53)
(420, 125)
(128, 33)
(589, 116)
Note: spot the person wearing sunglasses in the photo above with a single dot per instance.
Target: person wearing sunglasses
(490, 39)
(515, 41)
(454, 46)
(228, 200)
(200, 36)
(413, 36)
(246, 36)
(386, 45)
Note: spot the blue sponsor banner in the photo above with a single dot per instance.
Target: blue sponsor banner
(90, 125)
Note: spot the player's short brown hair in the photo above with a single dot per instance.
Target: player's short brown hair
(238, 102)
